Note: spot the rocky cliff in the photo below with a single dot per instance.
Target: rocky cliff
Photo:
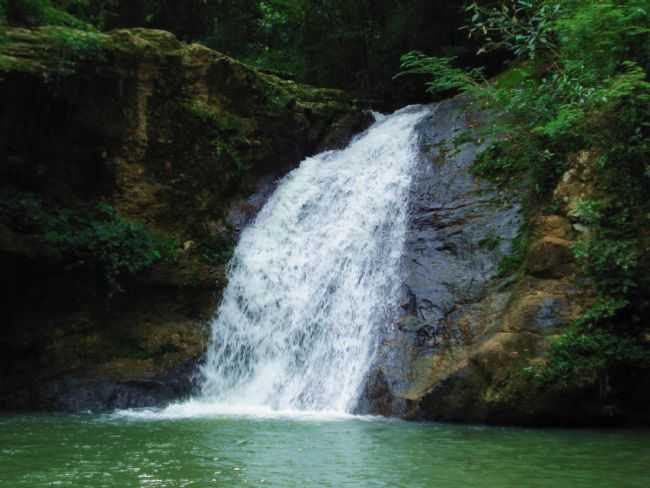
(474, 327)
(121, 157)
(129, 161)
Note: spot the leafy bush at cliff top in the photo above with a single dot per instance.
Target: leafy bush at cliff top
(118, 246)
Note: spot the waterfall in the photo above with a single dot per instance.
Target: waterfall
(314, 276)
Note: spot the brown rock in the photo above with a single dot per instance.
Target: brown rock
(553, 226)
(550, 257)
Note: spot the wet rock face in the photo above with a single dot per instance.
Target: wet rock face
(459, 230)
(463, 344)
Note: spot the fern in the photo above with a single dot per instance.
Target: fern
(445, 76)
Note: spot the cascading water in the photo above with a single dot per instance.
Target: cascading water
(314, 276)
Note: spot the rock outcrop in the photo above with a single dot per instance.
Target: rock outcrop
(169, 134)
(470, 333)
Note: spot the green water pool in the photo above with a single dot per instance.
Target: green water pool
(229, 451)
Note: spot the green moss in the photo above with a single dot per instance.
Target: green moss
(513, 76)
(51, 51)
(513, 262)
(199, 150)
(508, 160)
(219, 119)
(279, 94)
(224, 133)
(205, 161)
(77, 45)
(516, 392)
(216, 250)
(7, 63)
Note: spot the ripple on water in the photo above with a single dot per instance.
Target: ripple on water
(233, 452)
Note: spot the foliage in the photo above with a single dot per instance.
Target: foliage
(116, 245)
(611, 263)
(339, 43)
(604, 308)
(610, 252)
(524, 27)
(592, 348)
(42, 12)
(588, 211)
(358, 44)
(584, 89)
(216, 250)
(446, 77)
(582, 356)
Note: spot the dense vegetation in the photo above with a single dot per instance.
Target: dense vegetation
(578, 91)
(115, 245)
(354, 45)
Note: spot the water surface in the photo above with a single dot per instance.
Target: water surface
(226, 451)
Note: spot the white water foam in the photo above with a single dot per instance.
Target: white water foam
(310, 281)
(197, 409)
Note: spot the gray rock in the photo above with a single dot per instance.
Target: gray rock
(77, 394)
(551, 313)
(459, 230)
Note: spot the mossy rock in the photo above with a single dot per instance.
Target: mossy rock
(170, 135)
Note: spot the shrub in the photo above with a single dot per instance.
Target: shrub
(524, 27)
(100, 235)
(445, 75)
(587, 356)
